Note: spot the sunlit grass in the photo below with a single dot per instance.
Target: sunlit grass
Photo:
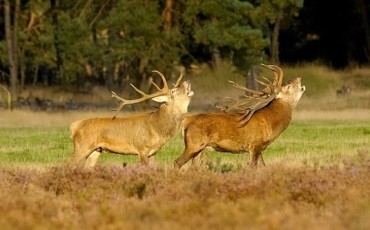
(320, 143)
(313, 143)
(33, 145)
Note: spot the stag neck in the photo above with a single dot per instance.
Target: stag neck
(170, 116)
(164, 116)
(281, 112)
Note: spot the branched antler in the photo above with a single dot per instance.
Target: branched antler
(164, 91)
(161, 92)
(255, 100)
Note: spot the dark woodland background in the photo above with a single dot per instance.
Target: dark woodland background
(114, 42)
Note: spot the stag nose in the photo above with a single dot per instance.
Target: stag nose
(188, 88)
(303, 88)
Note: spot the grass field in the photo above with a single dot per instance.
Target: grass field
(317, 174)
(312, 142)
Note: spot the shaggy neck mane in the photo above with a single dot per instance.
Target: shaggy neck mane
(164, 117)
(277, 113)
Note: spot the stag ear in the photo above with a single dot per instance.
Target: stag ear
(161, 99)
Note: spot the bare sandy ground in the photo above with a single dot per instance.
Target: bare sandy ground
(25, 118)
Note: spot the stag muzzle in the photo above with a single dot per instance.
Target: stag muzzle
(187, 86)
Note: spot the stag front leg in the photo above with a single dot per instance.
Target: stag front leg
(78, 155)
(144, 159)
(92, 159)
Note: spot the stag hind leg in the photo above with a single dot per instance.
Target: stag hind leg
(187, 155)
(255, 157)
(195, 141)
(260, 159)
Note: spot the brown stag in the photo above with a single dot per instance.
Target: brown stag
(246, 125)
(141, 135)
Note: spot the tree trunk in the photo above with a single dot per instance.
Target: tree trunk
(55, 23)
(108, 77)
(252, 76)
(274, 47)
(35, 75)
(167, 16)
(216, 58)
(22, 68)
(11, 37)
(361, 6)
(215, 52)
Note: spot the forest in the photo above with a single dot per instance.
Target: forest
(116, 42)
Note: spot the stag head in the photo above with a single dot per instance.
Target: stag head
(255, 100)
(292, 91)
(178, 98)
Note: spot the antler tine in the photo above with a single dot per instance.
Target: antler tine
(164, 91)
(165, 85)
(278, 72)
(123, 103)
(179, 79)
(254, 92)
(267, 80)
(137, 90)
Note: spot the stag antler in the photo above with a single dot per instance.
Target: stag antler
(180, 77)
(164, 91)
(255, 100)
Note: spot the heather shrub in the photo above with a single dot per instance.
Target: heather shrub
(135, 197)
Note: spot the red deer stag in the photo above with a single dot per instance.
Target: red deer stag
(141, 135)
(246, 125)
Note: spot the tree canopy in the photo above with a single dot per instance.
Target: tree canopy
(108, 41)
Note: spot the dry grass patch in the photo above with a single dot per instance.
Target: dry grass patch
(140, 198)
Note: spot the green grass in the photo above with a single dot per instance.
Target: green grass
(312, 143)
(34, 145)
(323, 143)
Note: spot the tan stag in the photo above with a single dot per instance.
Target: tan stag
(249, 124)
(141, 135)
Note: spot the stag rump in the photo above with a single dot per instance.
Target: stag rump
(141, 135)
(246, 125)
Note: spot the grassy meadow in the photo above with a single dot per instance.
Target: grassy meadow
(317, 172)
(304, 143)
